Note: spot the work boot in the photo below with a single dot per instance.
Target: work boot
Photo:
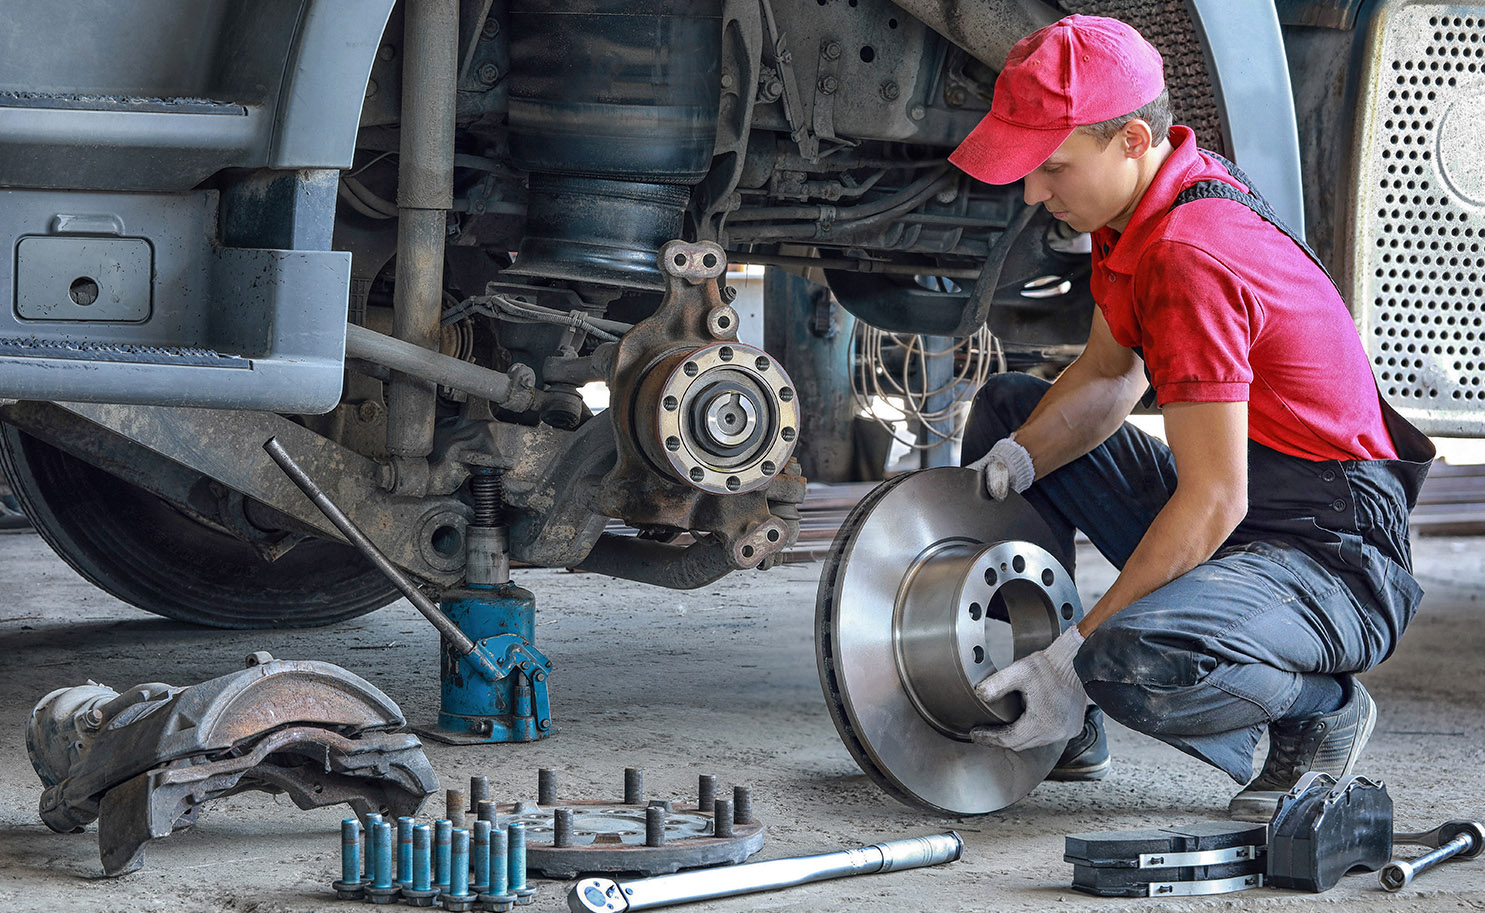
(1087, 754)
(1329, 743)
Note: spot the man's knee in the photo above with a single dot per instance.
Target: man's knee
(1142, 673)
(1001, 406)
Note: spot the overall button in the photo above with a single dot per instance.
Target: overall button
(1328, 475)
(1338, 504)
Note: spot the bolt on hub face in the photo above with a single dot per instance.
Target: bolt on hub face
(929, 588)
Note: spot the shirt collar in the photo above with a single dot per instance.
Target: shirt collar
(1184, 167)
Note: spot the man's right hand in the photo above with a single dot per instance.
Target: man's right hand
(1006, 468)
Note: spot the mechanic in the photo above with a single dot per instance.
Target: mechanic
(1263, 554)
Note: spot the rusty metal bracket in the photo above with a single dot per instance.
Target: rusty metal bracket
(144, 762)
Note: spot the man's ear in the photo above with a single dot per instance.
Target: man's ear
(1137, 138)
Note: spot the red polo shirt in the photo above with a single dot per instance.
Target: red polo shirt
(1226, 308)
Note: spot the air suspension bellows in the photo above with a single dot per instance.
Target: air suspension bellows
(613, 110)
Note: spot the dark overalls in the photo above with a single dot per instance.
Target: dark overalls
(1317, 579)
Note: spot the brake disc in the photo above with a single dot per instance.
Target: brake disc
(929, 588)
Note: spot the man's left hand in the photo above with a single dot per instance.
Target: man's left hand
(1054, 697)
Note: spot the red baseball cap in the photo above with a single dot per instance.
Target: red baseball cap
(1077, 71)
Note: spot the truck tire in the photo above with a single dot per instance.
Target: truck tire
(139, 548)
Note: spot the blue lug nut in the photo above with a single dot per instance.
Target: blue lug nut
(383, 888)
(350, 886)
(518, 885)
(480, 852)
(457, 898)
(404, 851)
(443, 845)
(499, 898)
(421, 892)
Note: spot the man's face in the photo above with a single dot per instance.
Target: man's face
(1087, 184)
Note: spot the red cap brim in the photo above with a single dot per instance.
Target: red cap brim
(1000, 152)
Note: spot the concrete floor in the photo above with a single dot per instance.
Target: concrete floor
(717, 681)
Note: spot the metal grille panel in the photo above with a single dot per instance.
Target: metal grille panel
(1420, 229)
(1167, 25)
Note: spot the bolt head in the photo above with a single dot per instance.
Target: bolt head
(890, 91)
(386, 52)
(918, 112)
(830, 50)
(371, 87)
(728, 81)
(491, 28)
(488, 74)
(955, 96)
(828, 85)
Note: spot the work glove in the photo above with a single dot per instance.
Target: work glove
(1006, 468)
(1054, 697)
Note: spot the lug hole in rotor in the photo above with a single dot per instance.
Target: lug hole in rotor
(975, 612)
(709, 261)
(1067, 611)
(768, 468)
(697, 473)
(786, 394)
(979, 655)
(990, 576)
(672, 443)
(725, 353)
(773, 535)
(788, 434)
(733, 483)
(1019, 564)
(1048, 577)
(760, 363)
(1005, 568)
(671, 404)
(691, 369)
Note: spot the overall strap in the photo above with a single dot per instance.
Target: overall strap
(1206, 190)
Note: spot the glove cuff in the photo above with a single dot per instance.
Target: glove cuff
(1017, 460)
(1062, 652)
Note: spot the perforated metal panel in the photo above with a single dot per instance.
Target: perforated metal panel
(1419, 217)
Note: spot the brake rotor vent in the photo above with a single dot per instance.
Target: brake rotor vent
(1422, 243)
(1167, 25)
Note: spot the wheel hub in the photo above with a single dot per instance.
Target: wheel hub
(930, 588)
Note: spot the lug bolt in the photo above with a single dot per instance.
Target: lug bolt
(499, 897)
(634, 785)
(655, 826)
(443, 846)
(383, 888)
(722, 818)
(455, 803)
(742, 805)
(457, 898)
(404, 851)
(562, 827)
(421, 892)
(546, 786)
(372, 820)
(706, 792)
(480, 848)
(479, 789)
(350, 886)
(488, 811)
(517, 836)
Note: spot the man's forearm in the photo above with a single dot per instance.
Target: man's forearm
(1186, 532)
(1078, 413)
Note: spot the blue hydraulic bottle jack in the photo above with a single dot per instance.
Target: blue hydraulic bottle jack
(500, 617)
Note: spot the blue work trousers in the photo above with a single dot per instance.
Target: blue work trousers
(1316, 580)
